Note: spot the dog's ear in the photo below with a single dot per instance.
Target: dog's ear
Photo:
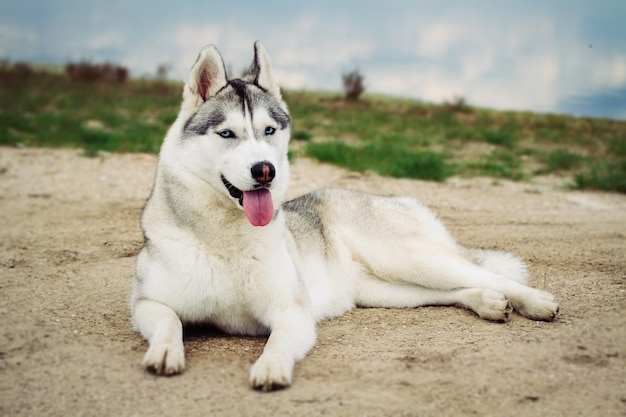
(261, 70)
(207, 77)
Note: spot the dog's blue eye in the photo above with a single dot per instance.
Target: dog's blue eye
(226, 134)
(270, 130)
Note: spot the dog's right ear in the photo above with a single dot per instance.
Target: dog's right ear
(207, 77)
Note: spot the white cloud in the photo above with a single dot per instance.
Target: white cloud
(190, 40)
(105, 40)
(609, 71)
(317, 41)
(16, 42)
(330, 53)
(618, 71)
(525, 63)
(293, 79)
(509, 65)
(491, 54)
(302, 51)
(428, 85)
(435, 39)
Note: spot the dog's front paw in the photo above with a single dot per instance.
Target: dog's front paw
(539, 305)
(269, 374)
(165, 359)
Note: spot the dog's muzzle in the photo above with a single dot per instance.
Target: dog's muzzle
(234, 192)
(257, 202)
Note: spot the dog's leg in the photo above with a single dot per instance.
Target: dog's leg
(292, 336)
(442, 268)
(454, 271)
(488, 304)
(160, 325)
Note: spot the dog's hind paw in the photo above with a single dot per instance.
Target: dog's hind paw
(270, 374)
(164, 359)
(538, 306)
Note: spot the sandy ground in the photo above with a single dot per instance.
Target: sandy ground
(69, 233)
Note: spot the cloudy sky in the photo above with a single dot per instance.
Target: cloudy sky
(565, 56)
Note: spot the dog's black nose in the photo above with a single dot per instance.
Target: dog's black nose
(263, 172)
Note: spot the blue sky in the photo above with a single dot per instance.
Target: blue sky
(548, 56)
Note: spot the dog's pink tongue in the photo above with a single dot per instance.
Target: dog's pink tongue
(258, 206)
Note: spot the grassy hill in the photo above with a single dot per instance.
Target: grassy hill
(395, 137)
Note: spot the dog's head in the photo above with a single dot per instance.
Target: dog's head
(235, 133)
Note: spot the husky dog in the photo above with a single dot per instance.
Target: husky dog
(223, 247)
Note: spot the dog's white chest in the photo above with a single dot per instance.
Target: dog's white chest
(205, 288)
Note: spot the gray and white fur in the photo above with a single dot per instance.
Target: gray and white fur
(223, 247)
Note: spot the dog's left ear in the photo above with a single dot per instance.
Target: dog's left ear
(262, 71)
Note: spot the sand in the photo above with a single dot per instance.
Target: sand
(69, 234)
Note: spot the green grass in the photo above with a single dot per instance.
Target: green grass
(560, 160)
(50, 111)
(500, 163)
(408, 138)
(394, 137)
(502, 137)
(393, 160)
(601, 175)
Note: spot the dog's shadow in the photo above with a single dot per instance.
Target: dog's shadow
(195, 331)
(205, 337)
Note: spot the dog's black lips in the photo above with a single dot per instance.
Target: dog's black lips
(234, 191)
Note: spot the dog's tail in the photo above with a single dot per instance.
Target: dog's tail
(500, 262)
